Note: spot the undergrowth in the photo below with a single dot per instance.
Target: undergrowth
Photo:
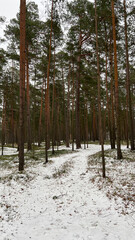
(9, 163)
(119, 183)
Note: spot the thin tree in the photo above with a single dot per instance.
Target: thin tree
(78, 142)
(119, 154)
(40, 118)
(3, 125)
(68, 110)
(99, 93)
(112, 117)
(73, 106)
(129, 102)
(28, 101)
(53, 106)
(47, 110)
(22, 83)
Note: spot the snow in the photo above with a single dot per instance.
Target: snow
(62, 202)
(9, 151)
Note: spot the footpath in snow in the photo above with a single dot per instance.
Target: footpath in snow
(61, 203)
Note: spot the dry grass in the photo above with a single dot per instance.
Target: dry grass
(119, 184)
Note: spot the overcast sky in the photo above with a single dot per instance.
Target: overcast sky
(9, 9)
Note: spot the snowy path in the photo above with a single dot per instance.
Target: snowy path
(66, 208)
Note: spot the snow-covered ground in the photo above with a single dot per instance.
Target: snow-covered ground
(62, 202)
(9, 151)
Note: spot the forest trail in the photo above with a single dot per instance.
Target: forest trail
(63, 204)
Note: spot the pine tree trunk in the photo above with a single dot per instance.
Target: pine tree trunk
(87, 125)
(127, 117)
(3, 126)
(58, 129)
(12, 110)
(94, 125)
(28, 102)
(119, 154)
(53, 104)
(22, 83)
(47, 107)
(12, 126)
(64, 107)
(99, 95)
(106, 80)
(112, 118)
(129, 102)
(84, 129)
(68, 112)
(78, 142)
(40, 119)
(73, 107)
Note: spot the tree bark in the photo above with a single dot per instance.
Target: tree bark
(87, 125)
(99, 94)
(47, 107)
(28, 102)
(73, 108)
(53, 104)
(68, 111)
(3, 125)
(112, 117)
(129, 102)
(119, 154)
(40, 118)
(106, 80)
(94, 127)
(78, 143)
(12, 110)
(22, 83)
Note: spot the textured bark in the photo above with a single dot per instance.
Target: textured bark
(112, 117)
(129, 102)
(94, 127)
(64, 108)
(58, 127)
(28, 102)
(68, 111)
(12, 110)
(78, 142)
(119, 154)
(40, 119)
(47, 107)
(99, 95)
(127, 117)
(12, 126)
(53, 104)
(84, 128)
(73, 107)
(106, 81)
(86, 125)
(22, 83)
(3, 125)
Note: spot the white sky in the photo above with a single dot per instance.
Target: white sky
(9, 9)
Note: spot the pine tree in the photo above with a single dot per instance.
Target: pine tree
(22, 82)
(99, 95)
(129, 102)
(119, 154)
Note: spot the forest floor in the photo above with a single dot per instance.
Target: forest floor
(68, 199)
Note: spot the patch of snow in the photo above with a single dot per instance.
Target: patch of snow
(68, 207)
(9, 151)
